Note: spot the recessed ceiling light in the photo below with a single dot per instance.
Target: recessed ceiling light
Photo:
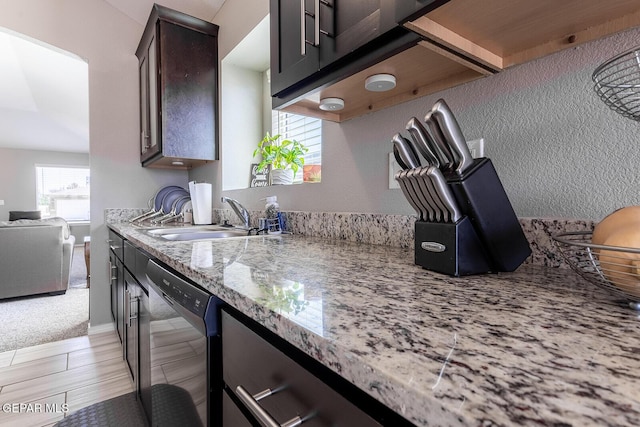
(380, 82)
(177, 163)
(331, 104)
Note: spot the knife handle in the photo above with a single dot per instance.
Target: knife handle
(400, 176)
(405, 151)
(453, 135)
(446, 195)
(421, 140)
(399, 160)
(446, 156)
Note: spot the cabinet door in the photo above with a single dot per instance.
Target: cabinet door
(231, 414)
(188, 92)
(251, 365)
(346, 27)
(407, 10)
(131, 348)
(294, 52)
(149, 138)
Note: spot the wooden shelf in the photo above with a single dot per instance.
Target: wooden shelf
(468, 39)
(419, 70)
(503, 33)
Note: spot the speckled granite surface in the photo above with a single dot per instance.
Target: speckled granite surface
(538, 346)
(391, 230)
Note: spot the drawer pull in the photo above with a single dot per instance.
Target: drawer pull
(251, 402)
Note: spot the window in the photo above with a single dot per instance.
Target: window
(63, 191)
(307, 131)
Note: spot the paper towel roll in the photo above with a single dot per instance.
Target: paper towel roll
(201, 200)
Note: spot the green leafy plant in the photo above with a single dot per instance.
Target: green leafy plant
(283, 154)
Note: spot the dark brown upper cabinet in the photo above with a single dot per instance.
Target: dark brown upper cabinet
(178, 60)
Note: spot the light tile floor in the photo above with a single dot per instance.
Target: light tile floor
(39, 385)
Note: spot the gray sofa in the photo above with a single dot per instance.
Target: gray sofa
(35, 257)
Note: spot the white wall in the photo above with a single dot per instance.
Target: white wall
(107, 40)
(18, 176)
(241, 120)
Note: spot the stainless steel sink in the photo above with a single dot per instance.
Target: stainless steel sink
(204, 235)
(197, 233)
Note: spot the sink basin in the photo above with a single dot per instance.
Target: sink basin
(202, 235)
(197, 233)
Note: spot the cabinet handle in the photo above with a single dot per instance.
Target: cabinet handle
(316, 23)
(251, 402)
(303, 29)
(112, 268)
(131, 316)
(303, 26)
(113, 248)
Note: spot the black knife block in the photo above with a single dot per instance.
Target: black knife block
(481, 198)
(488, 238)
(448, 248)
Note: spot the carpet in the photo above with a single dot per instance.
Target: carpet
(78, 275)
(40, 319)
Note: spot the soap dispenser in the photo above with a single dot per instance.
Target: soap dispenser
(273, 215)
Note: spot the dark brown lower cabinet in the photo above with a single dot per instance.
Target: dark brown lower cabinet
(253, 367)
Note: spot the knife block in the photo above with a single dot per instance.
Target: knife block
(482, 199)
(449, 248)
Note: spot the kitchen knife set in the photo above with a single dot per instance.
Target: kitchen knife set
(466, 224)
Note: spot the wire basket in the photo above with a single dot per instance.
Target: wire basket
(610, 267)
(617, 82)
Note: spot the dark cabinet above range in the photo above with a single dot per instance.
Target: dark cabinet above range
(440, 44)
(178, 60)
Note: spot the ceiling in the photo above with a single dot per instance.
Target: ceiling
(44, 99)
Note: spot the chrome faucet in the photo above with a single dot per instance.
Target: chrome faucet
(242, 213)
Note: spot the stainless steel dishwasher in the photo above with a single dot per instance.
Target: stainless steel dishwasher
(185, 384)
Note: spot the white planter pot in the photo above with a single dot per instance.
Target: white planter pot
(281, 176)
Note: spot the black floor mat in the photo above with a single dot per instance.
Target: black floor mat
(121, 411)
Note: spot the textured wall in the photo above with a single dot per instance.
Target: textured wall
(559, 151)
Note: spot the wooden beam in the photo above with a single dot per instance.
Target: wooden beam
(433, 31)
(462, 61)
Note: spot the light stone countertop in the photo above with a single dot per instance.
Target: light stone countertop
(538, 346)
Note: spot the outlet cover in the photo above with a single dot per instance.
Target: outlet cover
(393, 168)
(1, 202)
(476, 147)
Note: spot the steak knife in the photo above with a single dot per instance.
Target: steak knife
(453, 135)
(407, 194)
(446, 195)
(410, 190)
(424, 195)
(435, 195)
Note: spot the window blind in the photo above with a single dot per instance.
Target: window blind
(306, 130)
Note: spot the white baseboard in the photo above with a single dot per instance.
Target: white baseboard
(98, 329)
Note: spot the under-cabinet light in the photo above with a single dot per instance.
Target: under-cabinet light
(380, 82)
(331, 104)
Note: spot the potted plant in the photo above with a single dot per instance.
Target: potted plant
(285, 157)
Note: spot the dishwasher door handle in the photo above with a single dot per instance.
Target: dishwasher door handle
(251, 403)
